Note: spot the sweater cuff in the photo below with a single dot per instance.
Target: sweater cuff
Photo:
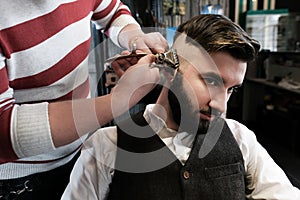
(31, 133)
(117, 25)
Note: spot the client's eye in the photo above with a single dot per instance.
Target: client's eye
(212, 80)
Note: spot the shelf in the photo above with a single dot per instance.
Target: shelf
(272, 84)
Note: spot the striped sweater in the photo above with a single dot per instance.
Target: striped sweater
(44, 48)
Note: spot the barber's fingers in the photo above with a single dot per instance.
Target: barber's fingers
(135, 83)
(138, 80)
(150, 58)
(121, 65)
(141, 74)
(151, 43)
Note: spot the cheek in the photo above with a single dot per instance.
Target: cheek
(198, 92)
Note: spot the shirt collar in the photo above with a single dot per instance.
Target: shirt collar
(157, 124)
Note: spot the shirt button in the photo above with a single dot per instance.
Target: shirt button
(186, 175)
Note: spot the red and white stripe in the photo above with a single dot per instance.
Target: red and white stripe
(44, 47)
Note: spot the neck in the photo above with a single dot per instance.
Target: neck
(163, 110)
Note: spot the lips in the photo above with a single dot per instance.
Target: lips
(206, 116)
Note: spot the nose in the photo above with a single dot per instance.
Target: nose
(218, 101)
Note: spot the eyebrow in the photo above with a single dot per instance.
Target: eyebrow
(219, 78)
(213, 75)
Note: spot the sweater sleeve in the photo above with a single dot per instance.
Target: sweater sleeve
(112, 17)
(6, 106)
(17, 121)
(30, 130)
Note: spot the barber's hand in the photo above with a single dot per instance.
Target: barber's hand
(135, 83)
(121, 65)
(140, 74)
(150, 42)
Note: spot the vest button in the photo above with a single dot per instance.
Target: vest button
(186, 175)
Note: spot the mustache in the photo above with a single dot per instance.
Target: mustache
(210, 112)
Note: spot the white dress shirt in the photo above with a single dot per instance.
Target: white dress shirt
(94, 169)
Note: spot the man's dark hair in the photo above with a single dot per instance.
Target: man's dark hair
(217, 33)
(214, 33)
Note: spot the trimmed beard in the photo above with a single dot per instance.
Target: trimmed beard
(185, 113)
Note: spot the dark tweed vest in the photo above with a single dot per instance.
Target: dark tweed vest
(152, 172)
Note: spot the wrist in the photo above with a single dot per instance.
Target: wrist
(133, 41)
(130, 34)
